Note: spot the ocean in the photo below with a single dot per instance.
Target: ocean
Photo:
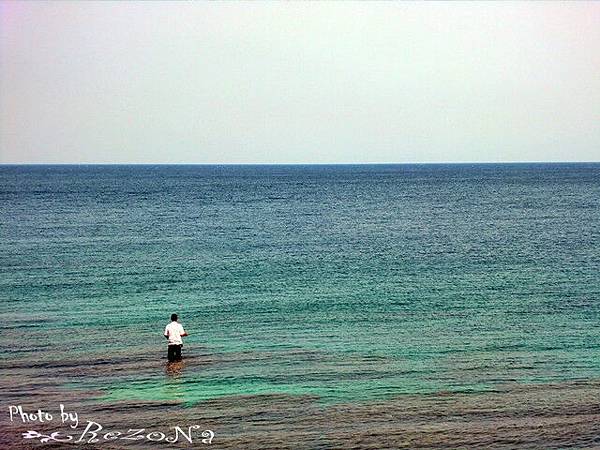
(327, 306)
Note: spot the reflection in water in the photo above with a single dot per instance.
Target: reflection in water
(174, 369)
(173, 383)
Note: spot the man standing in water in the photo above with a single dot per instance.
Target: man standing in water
(174, 332)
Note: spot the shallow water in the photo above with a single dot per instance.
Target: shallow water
(327, 306)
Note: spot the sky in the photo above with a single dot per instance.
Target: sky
(299, 82)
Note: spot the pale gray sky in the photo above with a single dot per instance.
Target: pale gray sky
(281, 82)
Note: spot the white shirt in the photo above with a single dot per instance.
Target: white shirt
(174, 331)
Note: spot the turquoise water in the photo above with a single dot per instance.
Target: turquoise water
(343, 283)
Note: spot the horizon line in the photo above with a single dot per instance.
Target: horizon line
(287, 163)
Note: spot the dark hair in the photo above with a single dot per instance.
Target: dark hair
(173, 317)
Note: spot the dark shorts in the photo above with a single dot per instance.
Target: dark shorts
(174, 353)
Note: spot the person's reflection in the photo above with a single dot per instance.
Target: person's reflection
(174, 383)
(174, 369)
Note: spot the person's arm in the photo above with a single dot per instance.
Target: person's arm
(183, 332)
(166, 334)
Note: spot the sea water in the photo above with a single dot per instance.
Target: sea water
(345, 284)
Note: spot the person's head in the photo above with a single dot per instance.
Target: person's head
(174, 317)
